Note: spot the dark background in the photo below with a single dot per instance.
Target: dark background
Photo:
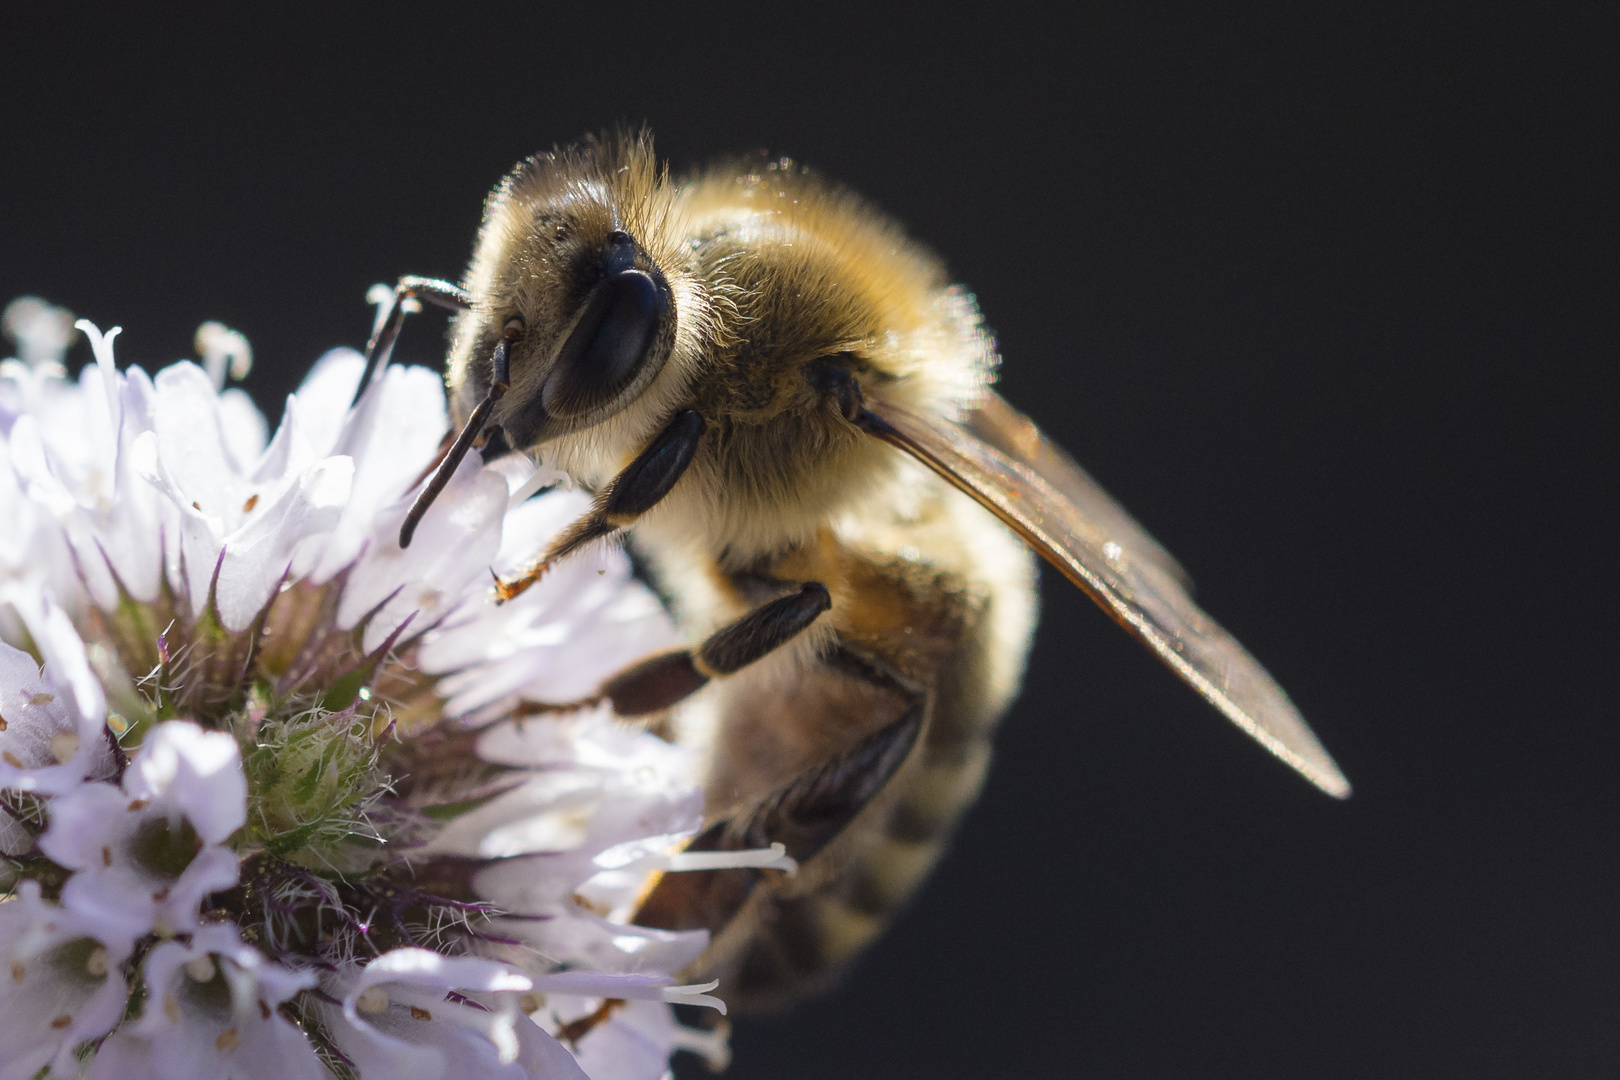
(1328, 301)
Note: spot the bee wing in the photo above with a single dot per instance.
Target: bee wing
(1101, 549)
(1015, 436)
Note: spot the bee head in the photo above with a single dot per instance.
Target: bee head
(583, 302)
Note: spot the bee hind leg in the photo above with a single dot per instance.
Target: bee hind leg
(804, 814)
(658, 682)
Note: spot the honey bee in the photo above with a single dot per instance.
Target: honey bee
(784, 406)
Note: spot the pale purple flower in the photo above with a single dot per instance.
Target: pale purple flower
(334, 811)
(147, 852)
(238, 521)
(52, 720)
(212, 1009)
(412, 1014)
(61, 984)
(69, 446)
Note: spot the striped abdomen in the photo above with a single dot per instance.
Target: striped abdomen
(911, 650)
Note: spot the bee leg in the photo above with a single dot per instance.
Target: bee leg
(804, 815)
(660, 681)
(390, 319)
(632, 493)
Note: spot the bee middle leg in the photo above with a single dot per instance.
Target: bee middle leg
(661, 681)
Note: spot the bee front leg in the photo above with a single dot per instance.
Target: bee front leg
(660, 681)
(632, 493)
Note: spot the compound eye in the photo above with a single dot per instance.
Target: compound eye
(609, 345)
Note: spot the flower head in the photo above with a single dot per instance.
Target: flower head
(278, 798)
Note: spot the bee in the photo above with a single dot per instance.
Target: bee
(785, 407)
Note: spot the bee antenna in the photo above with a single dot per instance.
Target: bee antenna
(458, 450)
(394, 305)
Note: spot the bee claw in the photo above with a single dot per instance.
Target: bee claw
(503, 591)
(511, 590)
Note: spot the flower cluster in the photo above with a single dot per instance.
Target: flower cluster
(280, 799)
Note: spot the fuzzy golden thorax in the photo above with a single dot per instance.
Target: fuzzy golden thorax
(777, 281)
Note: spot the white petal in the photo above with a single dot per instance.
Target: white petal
(258, 554)
(556, 643)
(422, 967)
(124, 900)
(123, 1057)
(176, 1039)
(451, 553)
(49, 998)
(130, 539)
(180, 772)
(595, 944)
(393, 436)
(243, 428)
(65, 661)
(251, 561)
(407, 1028)
(191, 439)
(41, 713)
(633, 1044)
(541, 1057)
(79, 824)
(199, 771)
(322, 402)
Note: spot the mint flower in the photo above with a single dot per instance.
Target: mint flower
(149, 852)
(214, 1010)
(279, 799)
(62, 984)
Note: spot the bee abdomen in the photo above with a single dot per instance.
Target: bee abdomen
(936, 794)
(906, 632)
(803, 943)
(894, 855)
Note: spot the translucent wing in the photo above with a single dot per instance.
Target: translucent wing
(1073, 524)
(1015, 436)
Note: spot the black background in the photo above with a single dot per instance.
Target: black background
(1326, 300)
